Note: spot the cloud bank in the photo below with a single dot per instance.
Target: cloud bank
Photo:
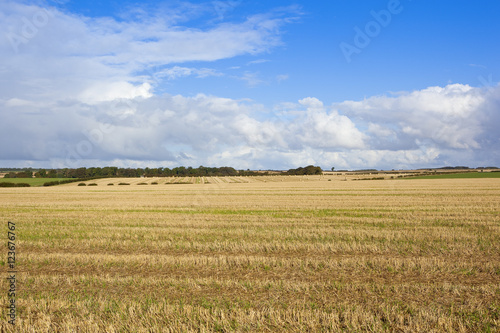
(451, 125)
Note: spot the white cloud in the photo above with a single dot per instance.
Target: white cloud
(258, 61)
(312, 103)
(48, 53)
(252, 79)
(282, 77)
(448, 116)
(379, 130)
(330, 131)
(319, 128)
(178, 71)
(101, 92)
(477, 65)
(164, 127)
(18, 102)
(211, 130)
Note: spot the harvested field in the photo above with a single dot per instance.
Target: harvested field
(257, 254)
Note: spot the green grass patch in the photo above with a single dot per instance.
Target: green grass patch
(31, 181)
(460, 175)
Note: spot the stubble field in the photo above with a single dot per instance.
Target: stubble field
(256, 254)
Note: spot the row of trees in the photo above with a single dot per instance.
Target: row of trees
(132, 172)
(21, 174)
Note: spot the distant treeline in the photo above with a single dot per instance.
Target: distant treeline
(97, 172)
(20, 174)
(459, 168)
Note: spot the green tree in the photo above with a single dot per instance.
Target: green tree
(24, 174)
(42, 173)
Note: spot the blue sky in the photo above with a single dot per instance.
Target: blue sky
(260, 84)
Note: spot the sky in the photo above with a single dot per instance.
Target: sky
(250, 84)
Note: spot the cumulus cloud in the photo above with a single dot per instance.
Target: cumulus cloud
(451, 116)
(320, 128)
(382, 132)
(171, 128)
(408, 130)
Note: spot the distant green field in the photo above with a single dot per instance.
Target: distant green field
(31, 181)
(460, 175)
